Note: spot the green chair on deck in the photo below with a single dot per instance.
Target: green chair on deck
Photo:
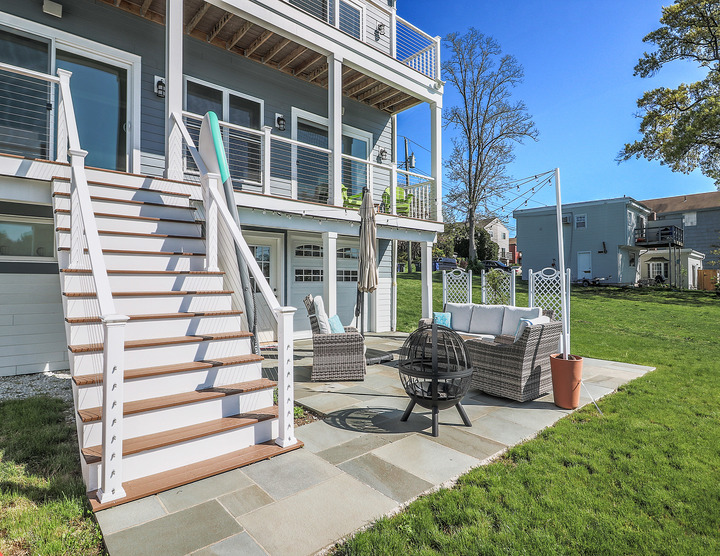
(402, 201)
(351, 201)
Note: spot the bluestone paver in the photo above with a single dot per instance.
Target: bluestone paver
(201, 491)
(127, 515)
(463, 441)
(246, 500)
(237, 545)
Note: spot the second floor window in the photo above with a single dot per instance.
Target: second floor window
(580, 222)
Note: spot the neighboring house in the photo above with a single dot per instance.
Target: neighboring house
(655, 265)
(699, 216)
(515, 255)
(319, 92)
(500, 235)
(603, 239)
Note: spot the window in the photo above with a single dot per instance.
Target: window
(309, 251)
(242, 147)
(308, 275)
(492, 234)
(658, 269)
(580, 222)
(348, 253)
(504, 235)
(349, 20)
(690, 219)
(347, 275)
(22, 237)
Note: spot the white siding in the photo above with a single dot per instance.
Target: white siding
(32, 331)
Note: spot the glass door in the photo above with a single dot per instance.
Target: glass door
(312, 170)
(354, 174)
(99, 92)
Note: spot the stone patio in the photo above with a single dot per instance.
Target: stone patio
(357, 465)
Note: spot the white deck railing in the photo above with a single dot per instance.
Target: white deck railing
(214, 206)
(417, 49)
(34, 93)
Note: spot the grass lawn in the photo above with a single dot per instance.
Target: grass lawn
(643, 479)
(43, 507)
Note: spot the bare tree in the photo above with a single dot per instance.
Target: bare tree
(488, 122)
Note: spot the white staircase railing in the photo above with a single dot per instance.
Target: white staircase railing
(214, 205)
(83, 225)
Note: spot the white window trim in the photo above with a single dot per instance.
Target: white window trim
(101, 53)
(30, 220)
(226, 92)
(361, 7)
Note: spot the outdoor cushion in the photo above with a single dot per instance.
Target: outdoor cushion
(443, 319)
(336, 325)
(487, 319)
(461, 313)
(512, 317)
(322, 318)
(524, 323)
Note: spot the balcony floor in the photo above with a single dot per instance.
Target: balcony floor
(358, 464)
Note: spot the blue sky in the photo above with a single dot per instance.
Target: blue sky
(578, 57)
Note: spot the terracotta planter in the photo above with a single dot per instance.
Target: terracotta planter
(566, 377)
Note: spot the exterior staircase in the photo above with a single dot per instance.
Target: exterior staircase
(194, 401)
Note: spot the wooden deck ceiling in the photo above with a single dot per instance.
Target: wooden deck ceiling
(225, 30)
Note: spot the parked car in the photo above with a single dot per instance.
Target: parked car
(444, 263)
(492, 265)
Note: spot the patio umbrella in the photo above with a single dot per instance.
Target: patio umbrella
(367, 260)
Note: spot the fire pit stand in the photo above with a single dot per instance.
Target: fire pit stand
(435, 371)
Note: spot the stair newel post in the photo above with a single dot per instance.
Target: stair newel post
(112, 414)
(286, 394)
(77, 232)
(62, 126)
(211, 182)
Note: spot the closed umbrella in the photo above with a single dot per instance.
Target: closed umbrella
(367, 261)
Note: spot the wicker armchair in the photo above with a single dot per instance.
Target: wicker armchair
(517, 370)
(335, 356)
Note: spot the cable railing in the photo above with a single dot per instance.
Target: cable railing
(27, 115)
(27, 126)
(419, 195)
(217, 213)
(417, 49)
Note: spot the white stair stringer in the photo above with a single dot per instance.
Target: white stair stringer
(193, 391)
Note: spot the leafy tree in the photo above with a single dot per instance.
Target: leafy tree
(486, 248)
(681, 127)
(489, 124)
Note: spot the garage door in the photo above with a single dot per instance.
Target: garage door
(306, 277)
(347, 277)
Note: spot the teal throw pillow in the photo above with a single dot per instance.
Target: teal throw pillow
(336, 326)
(443, 319)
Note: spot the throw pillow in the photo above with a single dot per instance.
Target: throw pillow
(524, 323)
(336, 325)
(443, 319)
(322, 318)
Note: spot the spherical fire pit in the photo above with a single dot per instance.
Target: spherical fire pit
(436, 371)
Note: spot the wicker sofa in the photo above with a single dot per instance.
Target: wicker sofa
(335, 356)
(507, 363)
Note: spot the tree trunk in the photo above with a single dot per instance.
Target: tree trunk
(472, 251)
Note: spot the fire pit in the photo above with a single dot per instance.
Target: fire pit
(435, 371)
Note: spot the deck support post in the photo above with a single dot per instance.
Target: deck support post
(266, 159)
(211, 181)
(174, 30)
(112, 410)
(426, 273)
(436, 163)
(286, 386)
(335, 129)
(393, 167)
(330, 271)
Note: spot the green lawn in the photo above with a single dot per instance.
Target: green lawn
(43, 507)
(642, 479)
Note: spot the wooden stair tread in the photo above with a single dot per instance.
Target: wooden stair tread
(161, 293)
(129, 217)
(147, 486)
(151, 404)
(129, 187)
(93, 454)
(135, 234)
(158, 316)
(133, 252)
(153, 342)
(146, 372)
(145, 272)
(128, 201)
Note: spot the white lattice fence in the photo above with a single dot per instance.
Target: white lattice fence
(545, 290)
(457, 286)
(498, 289)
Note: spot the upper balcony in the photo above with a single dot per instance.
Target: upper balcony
(659, 235)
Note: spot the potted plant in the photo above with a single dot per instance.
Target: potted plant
(566, 378)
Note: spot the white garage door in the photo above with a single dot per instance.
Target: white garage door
(306, 277)
(347, 277)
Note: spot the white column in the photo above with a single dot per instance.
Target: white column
(330, 272)
(112, 412)
(267, 144)
(426, 266)
(393, 167)
(393, 293)
(286, 392)
(335, 128)
(436, 164)
(173, 87)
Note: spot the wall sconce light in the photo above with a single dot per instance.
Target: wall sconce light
(383, 154)
(52, 8)
(280, 122)
(380, 29)
(160, 86)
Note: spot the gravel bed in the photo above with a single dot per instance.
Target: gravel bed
(56, 384)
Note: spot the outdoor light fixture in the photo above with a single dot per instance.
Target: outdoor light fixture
(280, 122)
(382, 154)
(52, 8)
(380, 29)
(160, 86)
